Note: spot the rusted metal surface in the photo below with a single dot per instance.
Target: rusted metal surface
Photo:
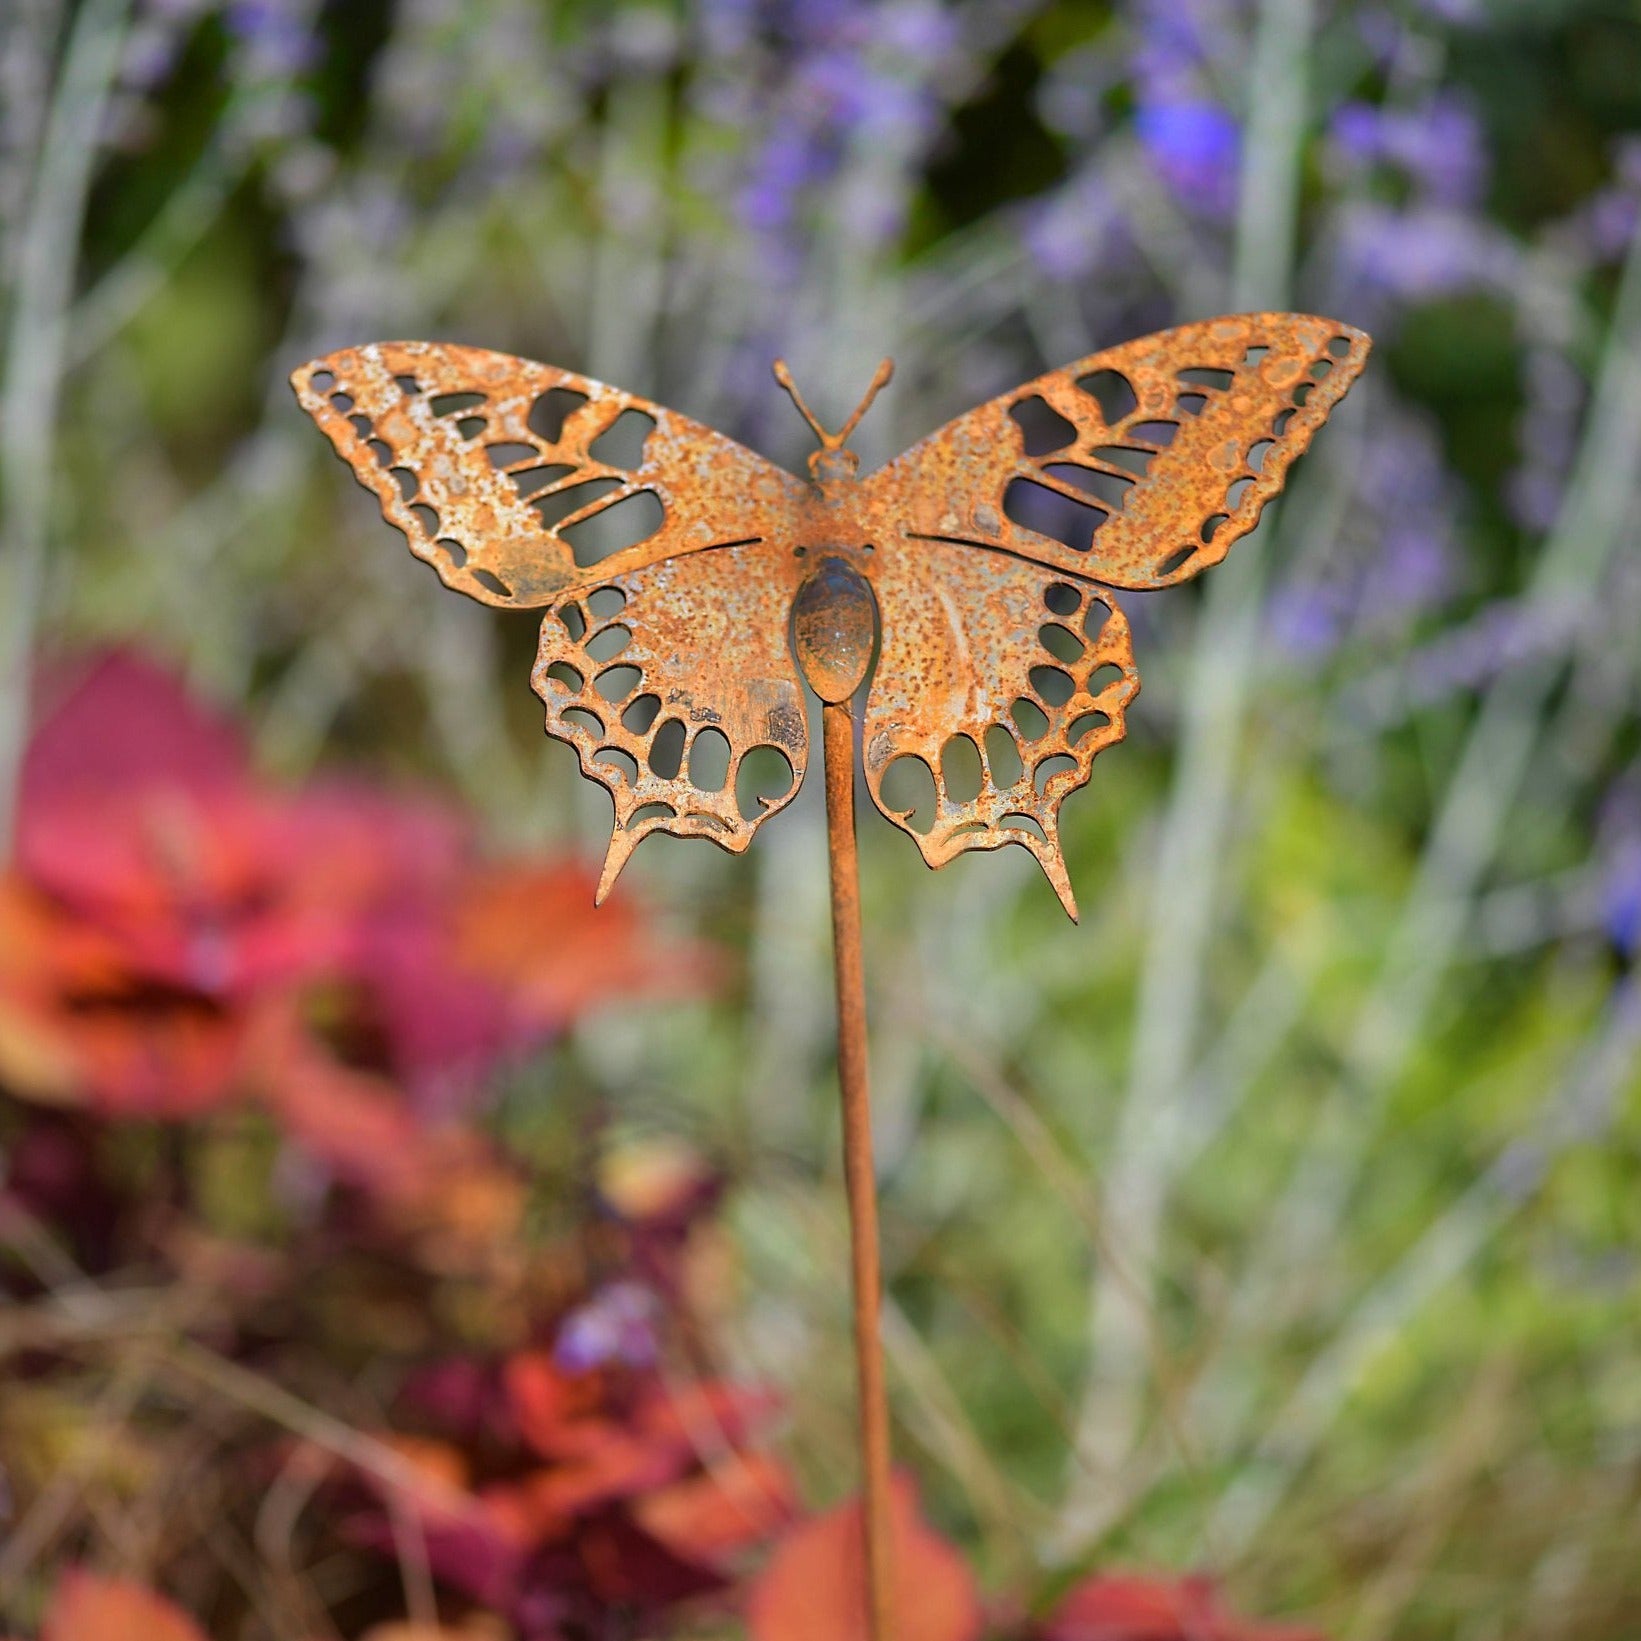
(985, 561)
(981, 565)
(860, 1180)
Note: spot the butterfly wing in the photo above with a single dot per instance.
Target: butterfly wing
(1133, 468)
(667, 680)
(1138, 466)
(663, 658)
(518, 481)
(1003, 681)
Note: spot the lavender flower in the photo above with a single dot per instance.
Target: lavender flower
(1420, 252)
(616, 1326)
(1072, 231)
(1621, 896)
(1548, 435)
(1409, 502)
(835, 79)
(151, 51)
(277, 36)
(1195, 148)
(1437, 146)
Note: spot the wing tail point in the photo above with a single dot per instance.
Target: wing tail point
(622, 845)
(1054, 869)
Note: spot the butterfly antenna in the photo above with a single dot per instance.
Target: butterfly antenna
(834, 441)
(880, 380)
(784, 377)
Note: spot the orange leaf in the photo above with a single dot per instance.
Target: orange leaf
(551, 1408)
(705, 1518)
(87, 1607)
(814, 1588)
(532, 930)
(77, 1028)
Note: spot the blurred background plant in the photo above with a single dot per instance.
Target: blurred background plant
(390, 1240)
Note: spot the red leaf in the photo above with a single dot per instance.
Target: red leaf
(551, 1408)
(1129, 1607)
(624, 1565)
(76, 1028)
(353, 1122)
(87, 1607)
(118, 719)
(814, 1588)
(614, 1465)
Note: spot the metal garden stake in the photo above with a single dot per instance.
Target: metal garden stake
(688, 582)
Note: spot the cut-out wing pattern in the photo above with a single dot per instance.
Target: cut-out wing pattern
(516, 480)
(1138, 466)
(668, 559)
(998, 683)
(666, 681)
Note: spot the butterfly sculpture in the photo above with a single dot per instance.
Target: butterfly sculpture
(686, 580)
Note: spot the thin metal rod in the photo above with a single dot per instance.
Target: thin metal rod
(859, 1175)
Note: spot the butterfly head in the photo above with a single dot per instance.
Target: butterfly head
(834, 460)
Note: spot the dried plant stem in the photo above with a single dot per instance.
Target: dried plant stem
(839, 749)
(36, 349)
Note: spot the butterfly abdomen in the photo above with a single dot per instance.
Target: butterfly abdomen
(834, 626)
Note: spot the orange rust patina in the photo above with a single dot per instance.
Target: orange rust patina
(688, 582)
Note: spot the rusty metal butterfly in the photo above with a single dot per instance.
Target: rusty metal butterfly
(669, 559)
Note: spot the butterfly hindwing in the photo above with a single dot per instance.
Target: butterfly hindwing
(1003, 681)
(1138, 466)
(515, 480)
(666, 680)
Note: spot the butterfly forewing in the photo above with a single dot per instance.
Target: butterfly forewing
(1138, 466)
(997, 685)
(518, 481)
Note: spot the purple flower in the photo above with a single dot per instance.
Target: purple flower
(1422, 251)
(922, 31)
(617, 1325)
(1548, 436)
(1408, 566)
(1306, 621)
(1072, 231)
(1195, 147)
(278, 37)
(1170, 50)
(1382, 32)
(1437, 146)
(787, 164)
(1621, 896)
(1609, 221)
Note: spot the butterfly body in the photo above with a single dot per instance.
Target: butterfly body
(834, 627)
(690, 587)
